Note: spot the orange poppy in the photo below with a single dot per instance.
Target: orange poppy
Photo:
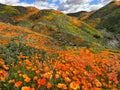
(27, 88)
(57, 76)
(64, 86)
(96, 89)
(41, 81)
(67, 79)
(49, 85)
(18, 84)
(27, 79)
(74, 85)
(35, 78)
(11, 81)
(59, 85)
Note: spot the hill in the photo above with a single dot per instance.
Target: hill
(64, 29)
(82, 15)
(107, 17)
(48, 50)
(106, 20)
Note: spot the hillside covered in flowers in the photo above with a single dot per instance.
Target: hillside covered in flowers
(48, 50)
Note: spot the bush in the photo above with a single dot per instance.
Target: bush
(23, 23)
(9, 10)
(11, 51)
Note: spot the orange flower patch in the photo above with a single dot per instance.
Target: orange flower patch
(18, 84)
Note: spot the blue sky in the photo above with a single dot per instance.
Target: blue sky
(57, 1)
(66, 6)
(94, 2)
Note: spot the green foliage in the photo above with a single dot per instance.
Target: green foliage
(91, 30)
(23, 23)
(61, 29)
(66, 27)
(6, 12)
(11, 51)
(79, 14)
(5, 18)
(109, 18)
(22, 10)
(98, 48)
(107, 10)
(9, 10)
(41, 14)
(88, 68)
(111, 22)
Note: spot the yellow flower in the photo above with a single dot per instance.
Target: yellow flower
(27, 88)
(98, 84)
(27, 79)
(48, 75)
(5, 67)
(74, 85)
(20, 75)
(57, 76)
(2, 79)
(59, 85)
(28, 68)
(27, 62)
(11, 81)
(67, 79)
(35, 78)
(2, 62)
(62, 86)
(25, 76)
(37, 72)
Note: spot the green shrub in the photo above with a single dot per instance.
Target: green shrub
(11, 51)
(23, 23)
(9, 10)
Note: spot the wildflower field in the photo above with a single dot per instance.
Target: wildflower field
(66, 70)
(51, 50)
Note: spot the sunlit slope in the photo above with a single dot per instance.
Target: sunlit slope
(63, 28)
(60, 27)
(9, 33)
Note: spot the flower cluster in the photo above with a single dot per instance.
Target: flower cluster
(74, 70)
(3, 70)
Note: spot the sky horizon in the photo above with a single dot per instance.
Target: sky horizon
(65, 6)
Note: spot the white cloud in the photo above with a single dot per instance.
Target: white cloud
(81, 5)
(9, 1)
(66, 6)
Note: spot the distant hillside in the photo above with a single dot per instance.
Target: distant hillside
(67, 31)
(79, 14)
(107, 17)
(106, 20)
(83, 15)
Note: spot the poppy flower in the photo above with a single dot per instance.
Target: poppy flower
(42, 81)
(49, 85)
(74, 85)
(18, 84)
